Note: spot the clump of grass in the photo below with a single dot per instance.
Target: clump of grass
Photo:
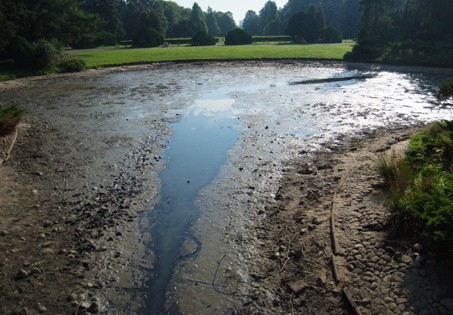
(419, 187)
(9, 119)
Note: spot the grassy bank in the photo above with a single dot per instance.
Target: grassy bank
(419, 187)
(112, 57)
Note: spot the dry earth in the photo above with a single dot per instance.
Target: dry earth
(309, 266)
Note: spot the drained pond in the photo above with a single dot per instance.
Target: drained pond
(210, 141)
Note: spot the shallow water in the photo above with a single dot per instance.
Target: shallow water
(223, 134)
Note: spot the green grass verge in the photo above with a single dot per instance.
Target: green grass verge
(112, 57)
(9, 118)
(419, 187)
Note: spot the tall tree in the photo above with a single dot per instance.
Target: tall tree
(211, 22)
(350, 17)
(376, 22)
(197, 18)
(225, 21)
(251, 23)
(108, 11)
(267, 16)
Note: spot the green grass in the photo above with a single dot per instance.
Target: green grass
(419, 187)
(9, 118)
(107, 56)
(110, 57)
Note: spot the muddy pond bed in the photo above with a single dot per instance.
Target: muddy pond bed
(180, 160)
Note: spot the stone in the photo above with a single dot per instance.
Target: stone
(417, 248)
(3, 233)
(405, 259)
(41, 308)
(297, 286)
(447, 303)
(94, 307)
(316, 221)
(21, 274)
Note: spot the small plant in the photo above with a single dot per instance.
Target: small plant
(9, 118)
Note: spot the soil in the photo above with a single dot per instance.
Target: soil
(71, 214)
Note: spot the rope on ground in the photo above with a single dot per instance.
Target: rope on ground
(8, 152)
(215, 276)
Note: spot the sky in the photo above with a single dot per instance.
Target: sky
(237, 7)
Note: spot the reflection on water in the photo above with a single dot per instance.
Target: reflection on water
(195, 153)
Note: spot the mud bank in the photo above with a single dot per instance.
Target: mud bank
(82, 180)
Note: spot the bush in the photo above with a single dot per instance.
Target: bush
(203, 39)
(38, 56)
(72, 65)
(420, 187)
(445, 90)
(147, 38)
(238, 37)
(9, 118)
(332, 35)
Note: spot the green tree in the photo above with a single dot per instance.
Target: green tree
(225, 21)
(211, 22)
(350, 17)
(267, 17)
(376, 23)
(197, 18)
(251, 23)
(149, 30)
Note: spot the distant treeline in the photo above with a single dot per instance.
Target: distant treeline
(90, 23)
(406, 32)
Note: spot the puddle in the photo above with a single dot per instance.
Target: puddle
(193, 157)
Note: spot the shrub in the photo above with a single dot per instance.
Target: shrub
(420, 187)
(238, 37)
(37, 56)
(72, 65)
(203, 39)
(9, 118)
(332, 35)
(445, 90)
(147, 38)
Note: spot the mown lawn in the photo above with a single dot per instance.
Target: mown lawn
(120, 56)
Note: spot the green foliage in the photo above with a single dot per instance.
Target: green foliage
(38, 56)
(9, 118)
(445, 90)
(148, 37)
(332, 35)
(251, 23)
(71, 65)
(420, 187)
(238, 37)
(203, 39)
(308, 26)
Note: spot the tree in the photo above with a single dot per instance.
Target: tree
(350, 17)
(225, 21)
(267, 16)
(197, 18)
(211, 22)
(297, 25)
(108, 12)
(376, 22)
(183, 28)
(332, 35)
(149, 30)
(251, 23)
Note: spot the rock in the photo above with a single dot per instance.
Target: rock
(71, 297)
(448, 304)
(21, 311)
(94, 307)
(3, 233)
(316, 221)
(297, 286)
(417, 248)
(21, 274)
(405, 259)
(41, 308)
